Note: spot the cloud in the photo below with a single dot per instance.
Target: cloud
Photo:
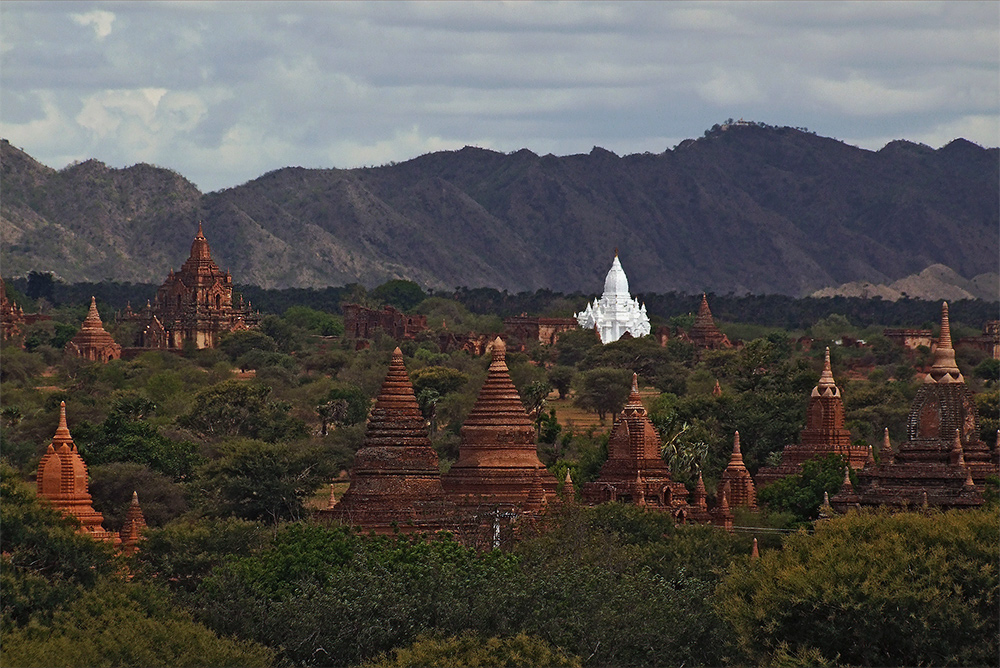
(222, 92)
(99, 19)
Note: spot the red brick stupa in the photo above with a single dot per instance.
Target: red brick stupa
(736, 482)
(942, 463)
(635, 471)
(93, 342)
(498, 466)
(62, 480)
(395, 482)
(704, 334)
(135, 522)
(824, 434)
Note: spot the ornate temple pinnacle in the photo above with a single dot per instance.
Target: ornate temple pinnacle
(944, 369)
(62, 431)
(826, 387)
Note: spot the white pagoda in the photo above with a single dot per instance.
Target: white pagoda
(615, 312)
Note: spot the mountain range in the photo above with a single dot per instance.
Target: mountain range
(746, 208)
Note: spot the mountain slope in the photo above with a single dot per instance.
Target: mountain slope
(746, 208)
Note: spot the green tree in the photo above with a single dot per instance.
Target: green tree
(258, 480)
(473, 651)
(404, 295)
(603, 390)
(126, 626)
(237, 409)
(111, 487)
(443, 380)
(872, 589)
(238, 344)
(319, 322)
(561, 378)
(802, 493)
(125, 435)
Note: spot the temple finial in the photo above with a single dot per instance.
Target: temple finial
(755, 553)
(944, 369)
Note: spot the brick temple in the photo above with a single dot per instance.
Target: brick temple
(498, 469)
(704, 333)
(524, 330)
(362, 322)
(824, 433)
(735, 483)
(93, 342)
(943, 463)
(395, 481)
(62, 481)
(636, 473)
(194, 305)
(11, 316)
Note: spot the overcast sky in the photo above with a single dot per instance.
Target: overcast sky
(224, 92)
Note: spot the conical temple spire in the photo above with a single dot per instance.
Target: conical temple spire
(62, 435)
(93, 319)
(886, 453)
(703, 309)
(848, 487)
(396, 419)
(199, 247)
(755, 553)
(737, 456)
(944, 369)
(826, 387)
(957, 454)
(717, 390)
(634, 398)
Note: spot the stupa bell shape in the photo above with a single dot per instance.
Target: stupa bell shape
(616, 312)
(498, 461)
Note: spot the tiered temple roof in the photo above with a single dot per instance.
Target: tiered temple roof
(62, 480)
(736, 483)
(824, 434)
(498, 466)
(93, 342)
(11, 316)
(616, 312)
(395, 482)
(635, 471)
(704, 334)
(132, 527)
(943, 463)
(194, 304)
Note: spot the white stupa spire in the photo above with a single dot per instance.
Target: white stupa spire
(615, 313)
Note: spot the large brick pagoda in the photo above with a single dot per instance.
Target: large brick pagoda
(943, 463)
(194, 304)
(498, 467)
(395, 482)
(824, 433)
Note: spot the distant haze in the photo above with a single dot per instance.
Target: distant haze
(223, 92)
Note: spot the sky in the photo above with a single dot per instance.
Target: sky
(223, 92)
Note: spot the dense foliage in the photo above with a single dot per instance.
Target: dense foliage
(231, 451)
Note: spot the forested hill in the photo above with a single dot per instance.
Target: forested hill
(743, 209)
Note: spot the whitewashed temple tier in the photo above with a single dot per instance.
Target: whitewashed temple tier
(615, 312)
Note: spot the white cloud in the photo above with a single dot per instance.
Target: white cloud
(99, 19)
(222, 92)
